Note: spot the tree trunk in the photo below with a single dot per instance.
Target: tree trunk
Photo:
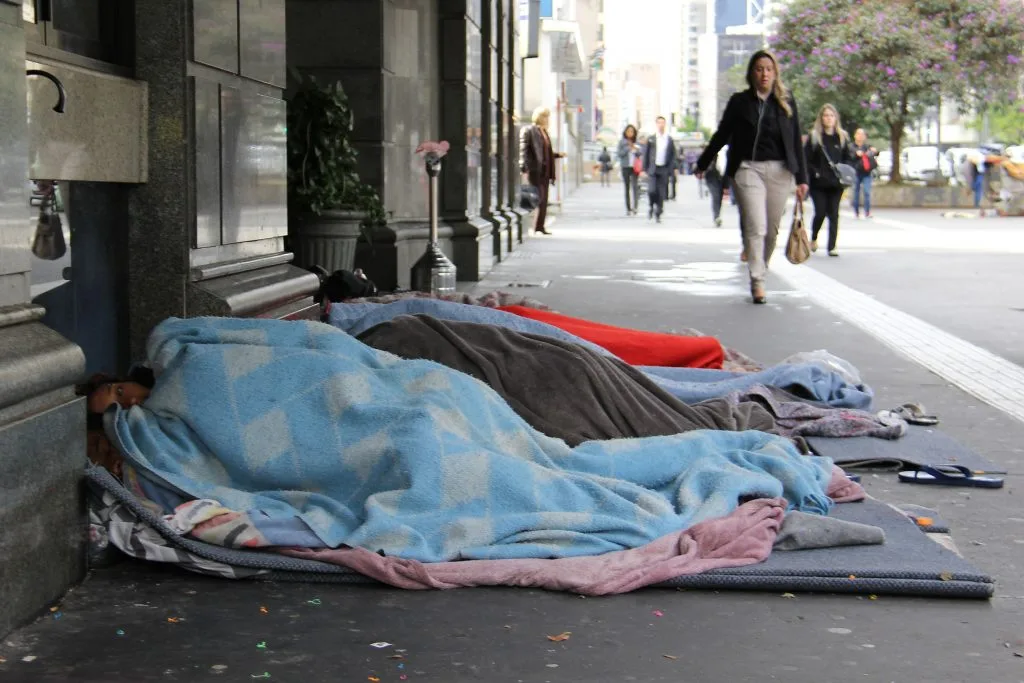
(895, 139)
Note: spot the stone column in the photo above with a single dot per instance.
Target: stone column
(207, 230)
(461, 125)
(385, 54)
(42, 423)
(513, 83)
(490, 208)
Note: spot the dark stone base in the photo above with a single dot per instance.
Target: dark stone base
(42, 451)
(277, 291)
(499, 235)
(473, 247)
(520, 223)
(396, 248)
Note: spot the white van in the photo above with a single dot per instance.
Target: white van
(922, 163)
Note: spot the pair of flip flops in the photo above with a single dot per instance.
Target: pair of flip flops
(950, 475)
(913, 413)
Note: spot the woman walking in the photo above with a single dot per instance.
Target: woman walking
(827, 145)
(537, 162)
(867, 162)
(627, 152)
(765, 161)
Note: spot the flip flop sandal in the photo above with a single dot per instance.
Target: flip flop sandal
(949, 475)
(915, 414)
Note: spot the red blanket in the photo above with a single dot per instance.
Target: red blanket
(636, 347)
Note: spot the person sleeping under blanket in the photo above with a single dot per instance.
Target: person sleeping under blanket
(324, 441)
(561, 389)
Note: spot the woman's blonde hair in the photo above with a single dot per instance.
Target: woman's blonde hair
(819, 128)
(779, 89)
(540, 113)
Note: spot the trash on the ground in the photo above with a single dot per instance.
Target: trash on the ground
(403, 677)
(924, 521)
(173, 620)
(373, 679)
(560, 637)
(788, 595)
(265, 674)
(946, 576)
(840, 631)
(658, 613)
(1018, 654)
(57, 615)
(315, 602)
(219, 667)
(53, 609)
(120, 631)
(380, 645)
(29, 658)
(264, 610)
(552, 666)
(401, 666)
(872, 597)
(3, 660)
(262, 645)
(397, 657)
(670, 657)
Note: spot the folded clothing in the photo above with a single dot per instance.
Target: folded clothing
(561, 389)
(636, 347)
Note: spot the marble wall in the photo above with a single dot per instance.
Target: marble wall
(15, 225)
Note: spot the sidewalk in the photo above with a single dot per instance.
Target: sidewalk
(601, 265)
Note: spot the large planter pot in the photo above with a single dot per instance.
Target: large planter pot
(328, 240)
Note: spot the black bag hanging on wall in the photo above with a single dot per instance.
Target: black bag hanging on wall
(48, 243)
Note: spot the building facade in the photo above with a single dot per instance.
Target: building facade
(161, 190)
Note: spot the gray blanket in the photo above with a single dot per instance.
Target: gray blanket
(561, 389)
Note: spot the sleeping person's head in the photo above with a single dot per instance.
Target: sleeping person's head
(101, 392)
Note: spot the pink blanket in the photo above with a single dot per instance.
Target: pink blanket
(744, 537)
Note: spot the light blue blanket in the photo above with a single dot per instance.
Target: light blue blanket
(297, 419)
(807, 380)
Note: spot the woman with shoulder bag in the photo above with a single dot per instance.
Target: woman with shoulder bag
(828, 145)
(867, 162)
(765, 161)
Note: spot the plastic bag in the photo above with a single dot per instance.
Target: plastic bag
(827, 361)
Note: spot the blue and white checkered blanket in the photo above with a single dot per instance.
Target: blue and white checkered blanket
(291, 420)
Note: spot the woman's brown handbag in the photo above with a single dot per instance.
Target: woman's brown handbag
(798, 246)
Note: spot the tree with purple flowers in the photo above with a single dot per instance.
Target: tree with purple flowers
(889, 61)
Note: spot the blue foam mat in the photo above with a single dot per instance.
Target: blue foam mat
(909, 563)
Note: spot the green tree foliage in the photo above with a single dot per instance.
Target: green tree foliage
(883, 62)
(1005, 122)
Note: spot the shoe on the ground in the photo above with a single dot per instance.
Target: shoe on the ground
(718, 222)
(757, 293)
(833, 253)
(814, 245)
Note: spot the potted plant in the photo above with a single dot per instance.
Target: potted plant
(329, 206)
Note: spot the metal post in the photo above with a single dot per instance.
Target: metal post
(433, 272)
(432, 171)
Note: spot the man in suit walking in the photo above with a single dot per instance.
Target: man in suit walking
(660, 166)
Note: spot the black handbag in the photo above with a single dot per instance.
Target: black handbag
(529, 198)
(48, 243)
(846, 175)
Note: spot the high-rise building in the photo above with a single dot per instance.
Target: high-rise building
(698, 19)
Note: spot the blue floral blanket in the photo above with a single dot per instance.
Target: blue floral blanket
(296, 421)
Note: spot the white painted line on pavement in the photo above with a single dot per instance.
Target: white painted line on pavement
(991, 378)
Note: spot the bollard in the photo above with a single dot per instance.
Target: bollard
(433, 272)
